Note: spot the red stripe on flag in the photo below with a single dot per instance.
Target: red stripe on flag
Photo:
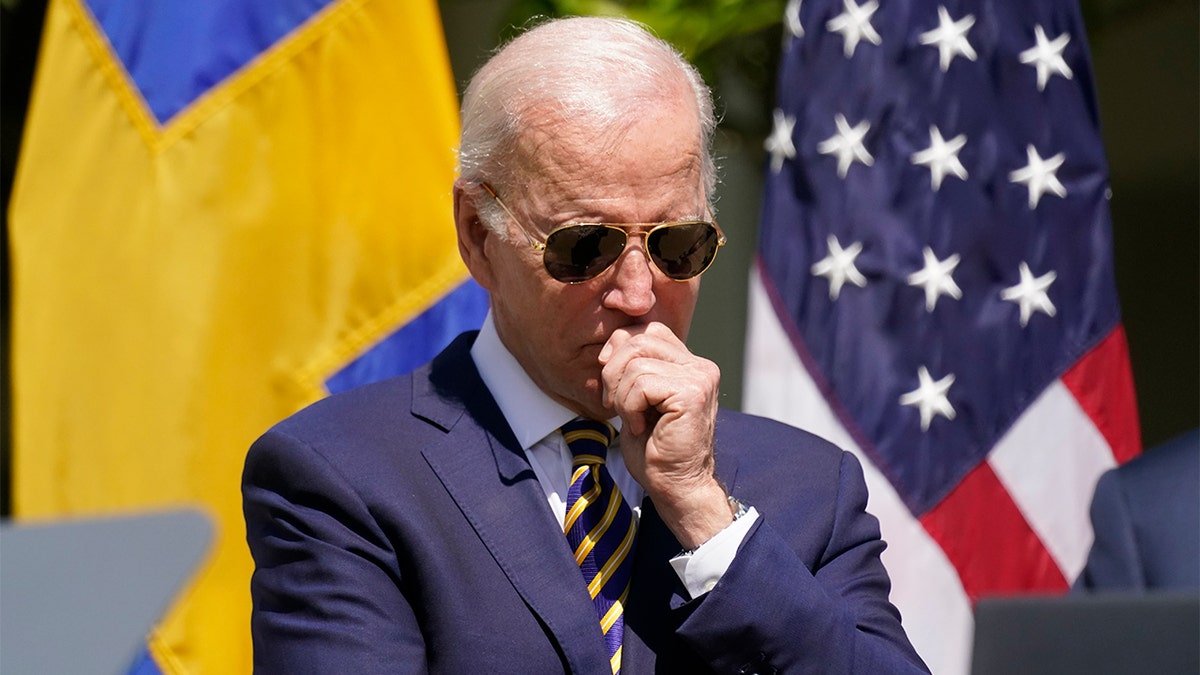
(1102, 382)
(989, 542)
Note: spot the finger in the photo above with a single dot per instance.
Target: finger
(650, 353)
(613, 358)
(646, 385)
(618, 338)
(619, 379)
(661, 345)
(638, 411)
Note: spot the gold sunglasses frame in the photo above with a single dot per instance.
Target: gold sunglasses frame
(629, 230)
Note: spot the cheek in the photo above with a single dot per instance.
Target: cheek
(537, 304)
(517, 279)
(678, 300)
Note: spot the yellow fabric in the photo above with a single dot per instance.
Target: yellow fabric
(179, 289)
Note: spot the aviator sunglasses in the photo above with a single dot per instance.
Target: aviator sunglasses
(576, 252)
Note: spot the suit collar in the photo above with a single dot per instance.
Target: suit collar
(448, 391)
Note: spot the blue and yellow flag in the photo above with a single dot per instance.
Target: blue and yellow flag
(223, 211)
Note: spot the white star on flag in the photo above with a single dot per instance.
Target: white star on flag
(791, 19)
(1038, 175)
(1046, 56)
(930, 397)
(779, 143)
(855, 25)
(1030, 294)
(847, 144)
(838, 267)
(941, 157)
(943, 234)
(936, 278)
(950, 37)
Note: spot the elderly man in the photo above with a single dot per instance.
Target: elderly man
(478, 515)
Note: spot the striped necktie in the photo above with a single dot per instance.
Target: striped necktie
(600, 528)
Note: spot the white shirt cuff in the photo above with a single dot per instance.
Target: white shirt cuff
(700, 570)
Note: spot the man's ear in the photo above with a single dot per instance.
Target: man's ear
(472, 235)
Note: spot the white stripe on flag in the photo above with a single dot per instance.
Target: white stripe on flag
(1049, 461)
(925, 587)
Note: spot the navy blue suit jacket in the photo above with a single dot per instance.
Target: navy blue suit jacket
(1146, 516)
(399, 528)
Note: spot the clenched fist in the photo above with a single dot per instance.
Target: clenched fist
(667, 399)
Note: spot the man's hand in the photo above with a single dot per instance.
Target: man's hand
(667, 400)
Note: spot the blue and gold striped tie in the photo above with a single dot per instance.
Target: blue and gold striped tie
(600, 528)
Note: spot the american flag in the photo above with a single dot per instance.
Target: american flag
(934, 289)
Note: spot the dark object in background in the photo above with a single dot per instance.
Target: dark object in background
(1108, 634)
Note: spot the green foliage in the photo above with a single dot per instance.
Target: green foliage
(695, 27)
(735, 43)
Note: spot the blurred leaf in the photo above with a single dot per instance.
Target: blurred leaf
(693, 26)
(735, 43)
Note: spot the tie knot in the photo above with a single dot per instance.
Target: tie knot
(588, 440)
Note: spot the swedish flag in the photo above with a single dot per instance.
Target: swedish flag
(223, 211)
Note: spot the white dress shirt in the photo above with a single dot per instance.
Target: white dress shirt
(535, 419)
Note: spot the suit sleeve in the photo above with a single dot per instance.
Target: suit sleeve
(1113, 562)
(772, 612)
(326, 582)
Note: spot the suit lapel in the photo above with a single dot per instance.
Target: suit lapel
(488, 476)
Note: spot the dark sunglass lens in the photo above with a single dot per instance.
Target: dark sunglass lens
(683, 250)
(580, 252)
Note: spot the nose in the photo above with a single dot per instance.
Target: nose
(631, 288)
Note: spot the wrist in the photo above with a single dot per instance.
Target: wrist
(738, 508)
(700, 515)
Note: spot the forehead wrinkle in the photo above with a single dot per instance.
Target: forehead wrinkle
(571, 170)
(541, 144)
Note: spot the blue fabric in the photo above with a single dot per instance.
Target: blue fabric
(1146, 517)
(418, 341)
(175, 50)
(400, 526)
(144, 664)
(868, 345)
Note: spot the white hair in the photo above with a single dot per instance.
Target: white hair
(591, 70)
